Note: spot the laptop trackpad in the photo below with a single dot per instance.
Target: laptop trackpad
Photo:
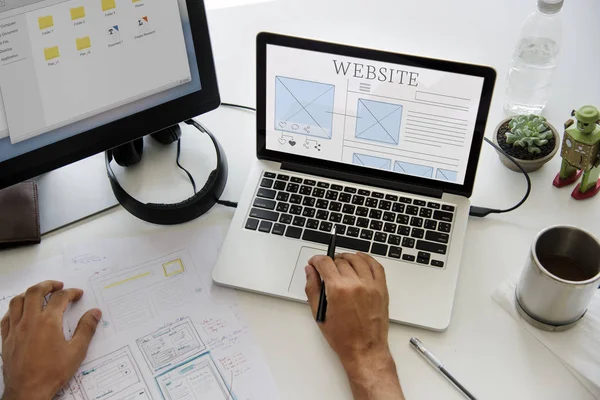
(299, 278)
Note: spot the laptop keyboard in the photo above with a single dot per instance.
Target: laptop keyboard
(388, 225)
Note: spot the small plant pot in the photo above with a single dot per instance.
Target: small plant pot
(528, 165)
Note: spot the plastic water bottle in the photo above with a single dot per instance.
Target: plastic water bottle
(534, 60)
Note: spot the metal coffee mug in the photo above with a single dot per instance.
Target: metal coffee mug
(560, 278)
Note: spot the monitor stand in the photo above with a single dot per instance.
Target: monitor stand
(72, 193)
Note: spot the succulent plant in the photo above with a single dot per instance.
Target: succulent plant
(528, 131)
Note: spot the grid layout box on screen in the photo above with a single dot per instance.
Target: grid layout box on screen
(391, 117)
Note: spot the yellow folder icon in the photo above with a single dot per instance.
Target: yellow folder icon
(135, 1)
(83, 43)
(77, 13)
(46, 22)
(108, 5)
(51, 53)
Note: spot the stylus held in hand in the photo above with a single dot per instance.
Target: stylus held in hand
(322, 309)
(437, 364)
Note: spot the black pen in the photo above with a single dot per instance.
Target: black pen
(322, 309)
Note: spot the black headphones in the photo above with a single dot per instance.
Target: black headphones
(168, 214)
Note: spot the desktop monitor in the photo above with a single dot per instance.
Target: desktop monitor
(81, 77)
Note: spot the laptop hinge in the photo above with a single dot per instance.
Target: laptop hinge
(362, 179)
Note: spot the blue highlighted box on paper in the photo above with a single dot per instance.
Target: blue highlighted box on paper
(423, 171)
(446, 175)
(378, 121)
(304, 107)
(371, 161)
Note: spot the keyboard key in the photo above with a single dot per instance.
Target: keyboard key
(283, 196)
(448, 208)
(389, 227)
(371, 202)
(323, 185)
(266, 193)
(380, 237)
(265, 226)
(395, 240)
(379, 249)
(350, 190)
(312, 224)
(408, 257)
(376, 225)
(403, 230)
(264, 203)
(305, 190)
(309, 201)
(283, 207)
(331, 195)
(278, 229)
(322, 204)
(437, 263)
(377, 195)
(425, 212)
(352, 231)
(299, 221)
(279, 185)
(362, 223)
(335, 206)
(358, 200)
(385, 205)
(348, 209)
(391, 197)
(293, 232)
(405, 200)
(309, 212)
(349, 220)
(416, 221)
(283, 177)
(375, 214)
(433, 205)
(295, 179)
(316, 236)
(345, 197)
(419, 203)
(337, 187)
(295, 199)
(424, 255)
(323, 215)
(408, 242)
(364, 192)
(421, 260)
(269, 175)
(296, 210)
(437, 237)
(417, 233)
(319, 193)
(264, 214)
(366, 234)
(266, 183)
(285, 219)
(395, 252)
(362, 211)
(430, 224)
(432, 247)
(402, 219)
(353, 244)
(309, 182)
(326, 226)
(340, 229)
(444, 227)
(335, 217)
(252, 224)
(442, 216)
(398, 207)
(389, 216)
(292, 188)
(412, 210)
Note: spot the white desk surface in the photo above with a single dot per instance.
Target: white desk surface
(483, 347)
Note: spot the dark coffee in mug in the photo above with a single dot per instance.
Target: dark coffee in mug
(566, 268)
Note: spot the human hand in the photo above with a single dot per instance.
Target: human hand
(357, 321)
(38, 360)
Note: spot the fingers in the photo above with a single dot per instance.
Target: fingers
(345, 268)
(313, 288)
(15, 309)
(325, 267)
(59, 301)
(359, 264)
(4, 328)
(34, 296)
(86, 328)
(376, 268)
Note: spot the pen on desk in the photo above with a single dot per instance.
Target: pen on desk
(322, 309)
(437, 364)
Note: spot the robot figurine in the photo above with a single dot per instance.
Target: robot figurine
(581, 153)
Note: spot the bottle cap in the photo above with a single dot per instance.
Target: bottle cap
(550, 6)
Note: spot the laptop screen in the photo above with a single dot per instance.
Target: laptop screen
(403, 119)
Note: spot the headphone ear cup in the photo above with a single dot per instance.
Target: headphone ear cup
(168, 135)
(130, 153)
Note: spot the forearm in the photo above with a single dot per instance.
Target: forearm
(375, 380)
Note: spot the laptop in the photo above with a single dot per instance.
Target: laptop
(383, 147)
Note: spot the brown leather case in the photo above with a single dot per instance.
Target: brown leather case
(19, 215)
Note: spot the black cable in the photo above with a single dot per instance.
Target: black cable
(483, 211)
(227, 203)
(184, 170)
(238, 106)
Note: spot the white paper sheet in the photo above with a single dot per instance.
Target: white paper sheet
(578, 348)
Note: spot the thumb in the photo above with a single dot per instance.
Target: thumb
(85, 331)
(313, 288)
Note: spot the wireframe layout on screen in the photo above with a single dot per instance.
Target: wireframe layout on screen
(408, 120)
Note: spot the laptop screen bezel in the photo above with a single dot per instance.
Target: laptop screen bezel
(487, 73)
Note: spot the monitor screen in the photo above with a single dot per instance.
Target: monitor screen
(391, 117)
(74, 66)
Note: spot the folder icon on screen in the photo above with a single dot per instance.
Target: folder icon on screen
(77, 13)
(51, 53)
(83, 43)
(135, 1)
(108, 5)
(46, 22)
